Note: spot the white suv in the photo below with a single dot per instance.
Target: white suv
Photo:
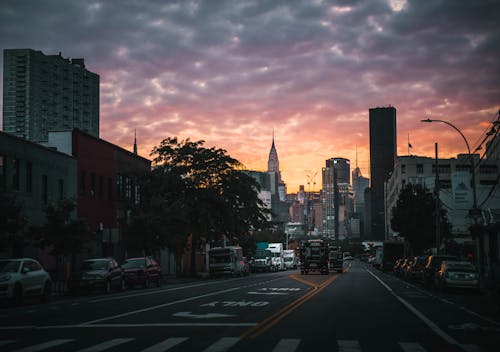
(24, 277)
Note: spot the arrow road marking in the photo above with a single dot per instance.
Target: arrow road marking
(201, 316)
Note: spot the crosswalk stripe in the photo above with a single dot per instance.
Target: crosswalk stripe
(223, 344)
(6, 342)
(471, 348)
(166, 345)
(287, 345)
(349, 346)
(106, 345)
(411, 347)
(44, 346)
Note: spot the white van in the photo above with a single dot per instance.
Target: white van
(290, 259)
(226, 261)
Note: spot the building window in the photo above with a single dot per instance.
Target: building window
(2, 173)
(119, 182)
(488, 169)
(101, 187)
(29, 177)
(45, 189)
(92, 184)
(110, 188)
(82, 182)
(420, 168)
(128, 188)
(462, 167)
(403, 169)
(61, 188)
(15, 174)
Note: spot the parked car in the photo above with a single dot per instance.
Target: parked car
(457, 274)
(397, 264)
(403, 271)
(414, 271)
(432, 266)
(142, 271)
(102, 274)
(22, 278)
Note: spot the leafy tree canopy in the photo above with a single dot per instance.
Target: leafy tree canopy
(413, 217)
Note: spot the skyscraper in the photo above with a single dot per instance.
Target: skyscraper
(273, 167)
(343, 168)
(382, 159)
(48, 92)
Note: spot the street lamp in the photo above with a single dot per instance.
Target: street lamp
(474, 212)
(471, 160)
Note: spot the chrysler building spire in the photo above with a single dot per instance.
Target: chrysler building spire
(273, 164)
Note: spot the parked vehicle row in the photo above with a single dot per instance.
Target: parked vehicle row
(438, 271)
(23, 278)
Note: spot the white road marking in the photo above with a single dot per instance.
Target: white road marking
(43, 346)
(422, 317)
(6, 342)
(411, 347)
(178, 288)
(106, 345)
(223, 344)
(201, 316)
(269, 293)
(349, 346)
(146, 325)
(166, 345)
(159, 306)
(480, 316)
(472, 348)
(287, 345)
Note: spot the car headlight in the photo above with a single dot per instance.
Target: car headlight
(4, 278)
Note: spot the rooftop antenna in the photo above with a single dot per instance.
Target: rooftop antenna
(135, 141)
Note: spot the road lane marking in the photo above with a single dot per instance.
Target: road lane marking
(177, 289)
(411, 347)
(304, 281)
(44, 346)
(166, 345)
(276, 317)
(144, 325)
(201, 316)
(106, 345)
(494, 322)
(159, 306)
(223, 344)
(421, 316)
(349, 346)
(6, 342)
(287, 345)
(268, 293)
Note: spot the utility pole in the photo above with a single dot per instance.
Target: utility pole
(336, 206)
(438, 203)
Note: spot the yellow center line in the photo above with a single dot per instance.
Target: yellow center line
(272, 320)
(304, 281)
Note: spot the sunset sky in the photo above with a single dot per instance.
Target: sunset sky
(229, 72)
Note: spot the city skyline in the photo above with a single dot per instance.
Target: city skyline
(232, 72)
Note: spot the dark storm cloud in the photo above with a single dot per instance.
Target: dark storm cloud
(228, 71)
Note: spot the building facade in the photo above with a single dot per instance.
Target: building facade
(382, 158)
(43, 93)
(359, 185)
(107, 187)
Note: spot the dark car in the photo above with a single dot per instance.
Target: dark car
(414, 271)
(142, 271)
(97, 274)
(432, 266)
(458, 275)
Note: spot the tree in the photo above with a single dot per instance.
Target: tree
(60, 232)
(11, 222)
(193, 193)
(413, 217)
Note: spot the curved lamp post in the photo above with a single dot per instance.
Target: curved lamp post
(471, 160)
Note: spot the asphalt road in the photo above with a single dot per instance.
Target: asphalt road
(359, 310)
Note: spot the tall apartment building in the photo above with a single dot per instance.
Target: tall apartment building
(43, 93)
(383, 154)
